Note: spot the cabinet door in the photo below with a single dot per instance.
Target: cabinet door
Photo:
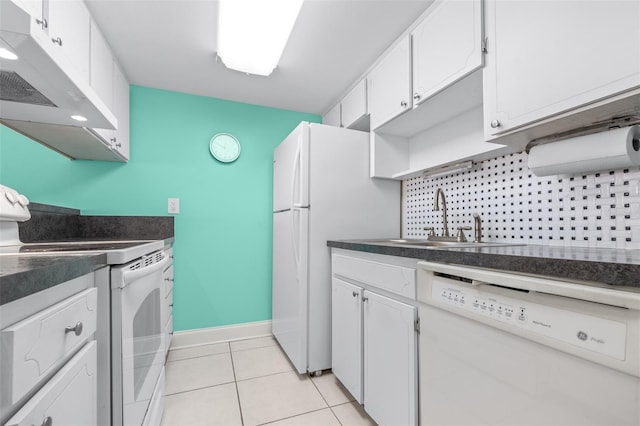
(69, 398)
(346, 336)
(101, 72)
(354, 105)
(121, 111)
(390, 360)
(447, 46)
(333, 117)
(69, 30)
(390, 84)
(547, 57)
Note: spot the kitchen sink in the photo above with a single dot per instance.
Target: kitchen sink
(431, 243)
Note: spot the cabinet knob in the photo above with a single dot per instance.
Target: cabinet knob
(169, 279)
(57, 41)
(47, 421)
(403, 104)
(495, 124)
(118, 145)
(355, 294)
(416, 96)
(77, 329)
(43, 23)
(364, 299)
(171, 305)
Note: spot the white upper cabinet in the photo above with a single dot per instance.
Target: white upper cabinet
(549, 57)
(333, 117)
(354, 107)
(69, 29)
(121, 110)
(447, 46)
(32, 7)
(101, 72)
(390, 84)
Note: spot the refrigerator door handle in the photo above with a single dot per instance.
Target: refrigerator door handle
(295, 176)
(295, 240)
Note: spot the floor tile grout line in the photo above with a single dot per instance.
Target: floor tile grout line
(296, 415)
(197, 389)
(319, 391)
(267, 375)
(235, 384)
(194, 357)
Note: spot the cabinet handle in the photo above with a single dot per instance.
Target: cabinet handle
(113, 139)
(57, 41)
(171, 305)
(495, 124)
(43, 23)
(77, 329)
(169, 279)
(355, 294)
(118, 145)
(403, 104)
(416, 96)
(47, 421)
(364, 299)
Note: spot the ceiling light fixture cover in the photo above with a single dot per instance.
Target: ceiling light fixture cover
(252, 34)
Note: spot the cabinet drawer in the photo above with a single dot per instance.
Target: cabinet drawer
(34, 347)
(396, 279)
(69, 398)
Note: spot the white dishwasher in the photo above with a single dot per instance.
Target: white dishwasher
(505, 349)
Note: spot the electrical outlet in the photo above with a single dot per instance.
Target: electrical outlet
(173, 205)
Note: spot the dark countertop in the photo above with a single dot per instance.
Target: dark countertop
(22, 275)
(608, 266)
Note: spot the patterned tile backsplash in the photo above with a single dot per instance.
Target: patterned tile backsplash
(591, 210)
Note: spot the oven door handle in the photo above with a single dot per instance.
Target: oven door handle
(131, 276)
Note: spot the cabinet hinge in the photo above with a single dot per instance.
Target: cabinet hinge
(416, 325)
(484, 44)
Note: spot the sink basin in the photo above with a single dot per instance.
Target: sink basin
(431, 243)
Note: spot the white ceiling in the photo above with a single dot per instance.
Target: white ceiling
(171, 44)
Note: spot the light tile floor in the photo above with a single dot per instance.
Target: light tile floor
(251, 382)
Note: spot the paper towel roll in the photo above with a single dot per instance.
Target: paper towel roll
(610, 150)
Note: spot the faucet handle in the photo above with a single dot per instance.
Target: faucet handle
(431, 231)
(460, 237)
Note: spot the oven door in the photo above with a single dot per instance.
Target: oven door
(137, 336)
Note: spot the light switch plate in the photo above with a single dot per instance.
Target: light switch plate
(173, 205)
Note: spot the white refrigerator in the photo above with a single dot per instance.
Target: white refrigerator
(321, 191)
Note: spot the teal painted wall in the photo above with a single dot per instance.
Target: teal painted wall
(223, 232)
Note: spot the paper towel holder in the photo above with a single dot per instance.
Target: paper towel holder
(597, 127)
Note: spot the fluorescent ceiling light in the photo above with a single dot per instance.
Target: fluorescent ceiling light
(252, 34)
(79, 118)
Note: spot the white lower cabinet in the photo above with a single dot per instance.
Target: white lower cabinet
(346, 344)
(374, 338)
(390, 348)
(69, 398)
(48, 356)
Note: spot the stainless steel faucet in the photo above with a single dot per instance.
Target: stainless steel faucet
(436, 207)
(477, 228)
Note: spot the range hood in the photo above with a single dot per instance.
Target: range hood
(41, 85)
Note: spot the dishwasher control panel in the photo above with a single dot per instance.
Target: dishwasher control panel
(586, 331)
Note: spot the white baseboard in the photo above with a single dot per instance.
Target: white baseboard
(207, 336)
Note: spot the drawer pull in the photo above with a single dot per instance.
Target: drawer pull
(47, 421)
(77, 330)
